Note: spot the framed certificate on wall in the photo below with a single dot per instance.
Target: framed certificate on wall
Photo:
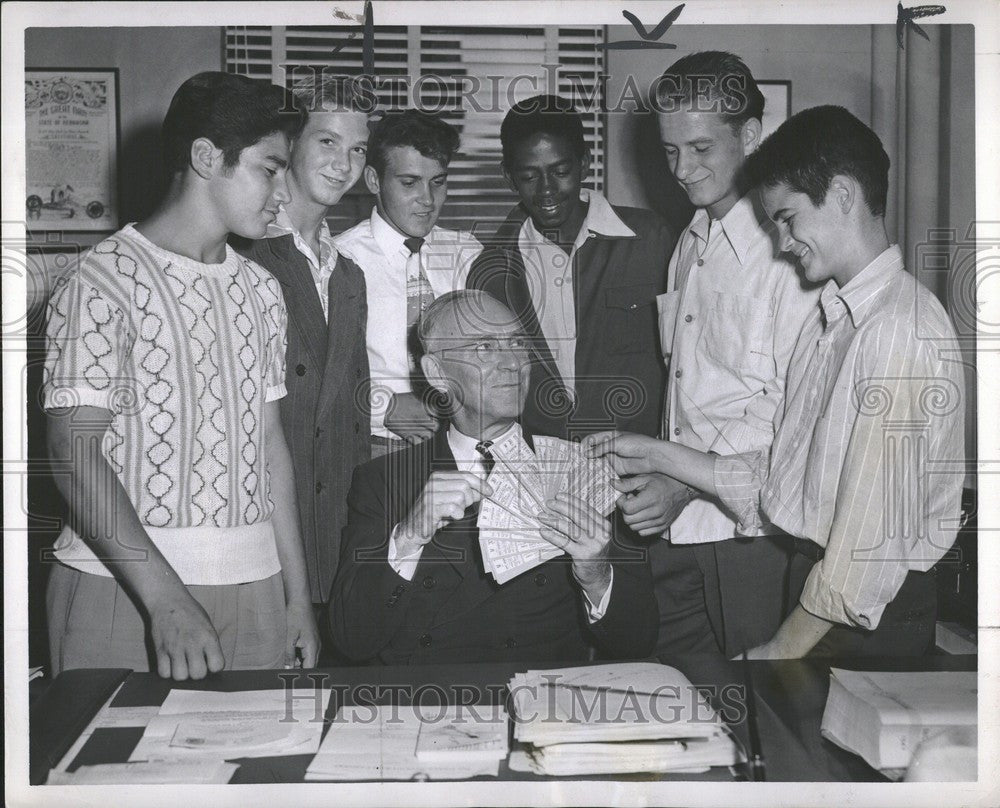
(71, 144)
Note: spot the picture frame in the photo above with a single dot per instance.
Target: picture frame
(777, 104)
(72, 133)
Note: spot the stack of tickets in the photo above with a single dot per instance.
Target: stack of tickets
(522, 480)
(613, 719)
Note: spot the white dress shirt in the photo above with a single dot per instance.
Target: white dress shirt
(378, 248)
(467, 458)
(727, 331)
(320, 266)
(869, 457)
(549, 273)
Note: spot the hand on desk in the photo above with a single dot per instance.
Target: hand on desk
(651, 502)
(446, 496)
(184, 639)
(302, 633)
(408, 417)
(573, 525)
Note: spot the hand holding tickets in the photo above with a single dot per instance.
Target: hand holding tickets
(445, 498)
(543, 503)
(627, 452)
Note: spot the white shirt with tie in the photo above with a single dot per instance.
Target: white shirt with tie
(379, 250)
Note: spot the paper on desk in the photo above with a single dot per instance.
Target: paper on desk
(145, 773)
(381, 743)
(255, 723)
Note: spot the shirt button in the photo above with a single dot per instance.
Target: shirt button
(425, 640)
(357, 428)
(511, 642)
(428, 582)
(701, 262)
(688, 318)
(300, 370)
(558, 281)
(677, 430)
(319, 487)
(541, 579)
(319, 431)
(677, 373)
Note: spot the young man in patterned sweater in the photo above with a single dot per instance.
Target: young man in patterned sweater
(164, 369)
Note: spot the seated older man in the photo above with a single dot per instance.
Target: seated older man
(411, 586)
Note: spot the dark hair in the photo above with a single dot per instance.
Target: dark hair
(320, 91)
(812, 146)
(426, 133)
(232, 111)
(542, 114)
(710, 81)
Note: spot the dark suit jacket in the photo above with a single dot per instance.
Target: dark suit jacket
(620, 376)
(452, 611)
(325, 415)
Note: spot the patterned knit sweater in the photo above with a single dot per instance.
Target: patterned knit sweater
(184, 355)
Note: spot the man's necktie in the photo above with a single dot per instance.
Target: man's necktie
(483, 447)
(419, 294)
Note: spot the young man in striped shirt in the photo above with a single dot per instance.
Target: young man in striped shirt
(867, 464)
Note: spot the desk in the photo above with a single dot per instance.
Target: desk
(790, 697)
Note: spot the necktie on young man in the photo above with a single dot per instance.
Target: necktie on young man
(419, 294)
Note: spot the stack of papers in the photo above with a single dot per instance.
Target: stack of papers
(884, 716)
(202, 724)
(611, 719)
(522, 480)
(412, 743)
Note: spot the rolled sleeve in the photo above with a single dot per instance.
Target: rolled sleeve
(738, 481)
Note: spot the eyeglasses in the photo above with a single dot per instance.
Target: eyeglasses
(490, 349)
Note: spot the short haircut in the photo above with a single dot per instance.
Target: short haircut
(813, 146)
(320, 91)
(542, 114)
(232, 111)
(428, 134)
(710, 81)
(465, 302)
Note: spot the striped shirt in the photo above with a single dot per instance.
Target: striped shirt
(184, 355)
(321, 267)
(868, 459)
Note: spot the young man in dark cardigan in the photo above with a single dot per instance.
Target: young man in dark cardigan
(325, 414)
(582, 275)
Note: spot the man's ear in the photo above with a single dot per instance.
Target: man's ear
(843, 192)
(433, 372)
(205, 157)
(372, 180)
(585, 164)
(506, 175)
(750, 133)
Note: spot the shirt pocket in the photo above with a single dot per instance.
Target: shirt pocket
(630, 318)
(667, 306)
(738, 333)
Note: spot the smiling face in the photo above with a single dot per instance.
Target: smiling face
(814, 235)
(489, 394)
(411, 190)
(547, 175)
(705, 156)
(328, 156)
(246, 196)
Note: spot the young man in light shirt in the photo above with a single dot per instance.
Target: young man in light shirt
(164, 369)
(325, 413)
(728, 323)
(868, 459)
(408, 261)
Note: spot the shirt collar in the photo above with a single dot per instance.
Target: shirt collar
(860, 291)
(388, 238)
(601, 220)
(741, 225)
(282, 226)
(464, 448)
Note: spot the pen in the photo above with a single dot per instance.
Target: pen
(756, 761)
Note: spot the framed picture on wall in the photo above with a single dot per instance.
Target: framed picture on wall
(777, 104)
(71, 144)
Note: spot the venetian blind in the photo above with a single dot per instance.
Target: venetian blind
(471, 76)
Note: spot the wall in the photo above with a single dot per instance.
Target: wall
(152, 63)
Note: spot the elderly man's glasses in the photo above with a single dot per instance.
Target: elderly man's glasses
(491, 349)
